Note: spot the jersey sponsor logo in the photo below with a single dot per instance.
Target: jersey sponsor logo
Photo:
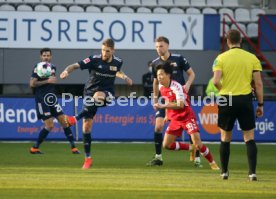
(113, 68)
(174, 64)
(104, 75)
(86, 61)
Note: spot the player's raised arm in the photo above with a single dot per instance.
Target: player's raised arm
(155, 90)
(69, 69)
(191, 78)
(122, 75)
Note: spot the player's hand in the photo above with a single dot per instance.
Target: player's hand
(166, 119)
(52, 80)
(64, 74)
(129, 81)
(158, 106)
(259, 111)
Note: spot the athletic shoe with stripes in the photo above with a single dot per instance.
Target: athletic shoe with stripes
(87, 163)
(70, 120)
(75, 151)
(35, 151)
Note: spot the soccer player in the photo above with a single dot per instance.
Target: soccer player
(180, 115)
(147, 80)
(42, 87)
(233, 74)
(103, 69)
(179, 64)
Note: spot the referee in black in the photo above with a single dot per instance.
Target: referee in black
(234, 71)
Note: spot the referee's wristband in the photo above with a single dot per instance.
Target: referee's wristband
(260, 104)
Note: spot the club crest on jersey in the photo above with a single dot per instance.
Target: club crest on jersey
(100, 66)
(174, 64)
(86, 61)
(113, 68)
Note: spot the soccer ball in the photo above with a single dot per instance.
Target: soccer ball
(44, 69)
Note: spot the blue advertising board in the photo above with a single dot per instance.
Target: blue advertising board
(132, 120)
(18, 120)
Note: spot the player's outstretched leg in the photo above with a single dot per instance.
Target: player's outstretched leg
(204, 151)
(86, 111)
(69, 135)
(157, 159)
(158, 139)
(41, 137)
(195, 155)
(70, 120)
(87, 149)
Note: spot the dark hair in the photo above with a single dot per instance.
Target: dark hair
(166, 67)
(45, 50)
(109, 43)
(234, 36)
(162, 38)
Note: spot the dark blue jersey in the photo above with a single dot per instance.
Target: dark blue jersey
(41, 91)
(179, 64)
(101, 73)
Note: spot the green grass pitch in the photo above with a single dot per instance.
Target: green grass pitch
(119, 171)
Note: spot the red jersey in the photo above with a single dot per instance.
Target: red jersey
(172, 94)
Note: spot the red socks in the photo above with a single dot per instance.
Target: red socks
(179, 146)
(204, 151)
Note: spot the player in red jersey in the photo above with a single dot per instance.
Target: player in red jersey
(180, 115)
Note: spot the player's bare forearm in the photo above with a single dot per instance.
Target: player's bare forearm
(69, 69)
(191, 78)
(122, 75)
(155, 90)
(170, 105)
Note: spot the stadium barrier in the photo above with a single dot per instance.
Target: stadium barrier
(128, 122)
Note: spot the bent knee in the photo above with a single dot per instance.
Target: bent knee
(50, 127)
(167, 146)
(159, 128)
(86, 129)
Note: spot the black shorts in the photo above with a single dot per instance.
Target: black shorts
(160, 113)
(45, 111)
(241, 109)
(108, 99)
